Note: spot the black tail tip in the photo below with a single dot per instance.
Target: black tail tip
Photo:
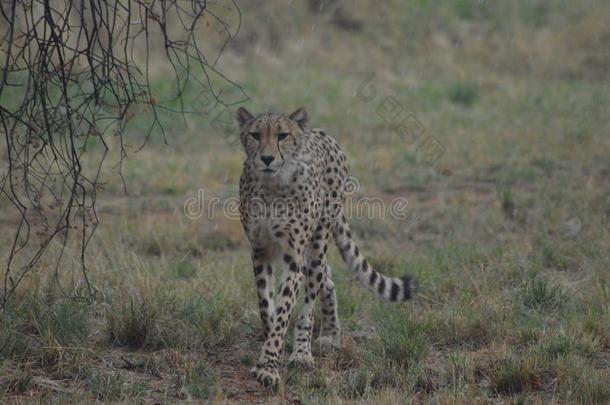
(410, 287)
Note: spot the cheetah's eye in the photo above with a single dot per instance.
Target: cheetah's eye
(282, 136)
(255, 135)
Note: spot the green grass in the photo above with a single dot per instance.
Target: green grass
(466, 93)
(509, 234)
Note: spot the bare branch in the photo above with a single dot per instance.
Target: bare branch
(73, 71)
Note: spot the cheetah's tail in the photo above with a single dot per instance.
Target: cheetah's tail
(389, 288)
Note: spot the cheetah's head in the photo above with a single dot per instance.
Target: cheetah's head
(271, 139)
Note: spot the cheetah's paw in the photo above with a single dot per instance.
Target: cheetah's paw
(302, 359)
(267, 376)
(327, 344)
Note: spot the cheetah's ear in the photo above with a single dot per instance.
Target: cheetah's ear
(300, 117)
(243, 116)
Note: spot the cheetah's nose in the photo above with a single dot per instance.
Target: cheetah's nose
(267, 159)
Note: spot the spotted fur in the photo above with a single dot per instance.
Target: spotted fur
(292, 192)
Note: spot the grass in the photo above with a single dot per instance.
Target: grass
(507, 234)
(466, 93)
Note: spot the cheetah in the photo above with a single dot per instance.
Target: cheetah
(292, 191)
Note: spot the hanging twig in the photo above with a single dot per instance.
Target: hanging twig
(70, 73)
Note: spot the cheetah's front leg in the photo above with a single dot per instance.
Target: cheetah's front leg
(316, 272)
(265, 284)
(266, 370)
